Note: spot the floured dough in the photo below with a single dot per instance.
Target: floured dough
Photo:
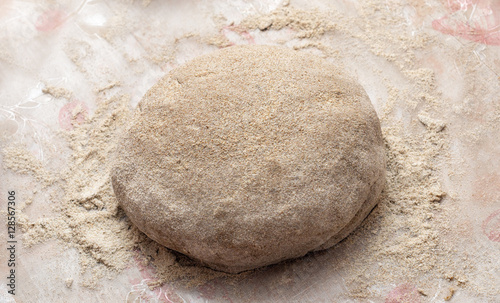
(251, 155)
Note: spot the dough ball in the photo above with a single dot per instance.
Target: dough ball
(249, 156)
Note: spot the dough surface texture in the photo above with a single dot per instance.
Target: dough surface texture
(249, 156)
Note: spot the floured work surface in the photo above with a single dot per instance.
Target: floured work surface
(72, 72)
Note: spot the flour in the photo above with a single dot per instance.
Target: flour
(57, 92)
(404, 239)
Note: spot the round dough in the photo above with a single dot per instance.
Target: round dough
(249, 156)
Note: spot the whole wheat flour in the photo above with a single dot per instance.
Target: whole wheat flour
(403, 239)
